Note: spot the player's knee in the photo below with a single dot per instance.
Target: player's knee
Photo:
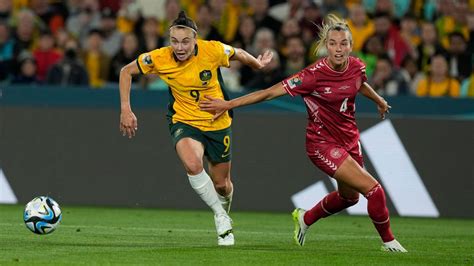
(193, 167)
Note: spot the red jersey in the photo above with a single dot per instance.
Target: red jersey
(329, 96)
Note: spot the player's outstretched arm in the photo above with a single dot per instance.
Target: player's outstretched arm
(128, 120)
(219, 106)
(370, 93)
(256, 63)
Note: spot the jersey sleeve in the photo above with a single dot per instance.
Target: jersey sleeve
(224, 53)
(147, 62)
(300, 83)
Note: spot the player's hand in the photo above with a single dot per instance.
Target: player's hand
(265, 58)
(383, 108)
(214, 105)
(128, 124)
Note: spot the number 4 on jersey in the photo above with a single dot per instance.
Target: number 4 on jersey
(343, 105)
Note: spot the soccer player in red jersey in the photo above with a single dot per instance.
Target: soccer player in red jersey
(329, 87)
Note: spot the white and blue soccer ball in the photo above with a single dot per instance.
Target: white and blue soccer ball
(42, 215)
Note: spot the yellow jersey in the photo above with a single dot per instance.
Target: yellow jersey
(190, 81)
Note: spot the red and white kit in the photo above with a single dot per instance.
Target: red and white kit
(329, 95)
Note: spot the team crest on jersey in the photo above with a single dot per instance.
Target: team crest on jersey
(336, 153)
(295, 81)
(147, 59)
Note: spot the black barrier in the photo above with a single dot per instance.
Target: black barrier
(77, 155)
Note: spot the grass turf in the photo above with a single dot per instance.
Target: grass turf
(90, 235)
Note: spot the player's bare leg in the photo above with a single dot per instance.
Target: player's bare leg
(353, 175)
(220, 174)
(191, 152)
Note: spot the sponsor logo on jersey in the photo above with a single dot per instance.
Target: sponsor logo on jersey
(327, 90)
(345, 87)
(147, 60)
(294, 81)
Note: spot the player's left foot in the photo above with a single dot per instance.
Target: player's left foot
(226, 240)
(300, 226)
(393, 246)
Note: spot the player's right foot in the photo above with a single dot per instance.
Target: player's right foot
(225, 237)
(393, 246)
(300, 226)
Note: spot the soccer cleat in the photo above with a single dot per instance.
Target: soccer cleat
(300, 226)
(227, 240)
(225, 237)
(393, 246)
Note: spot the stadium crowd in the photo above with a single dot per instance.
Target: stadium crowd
(420, 48)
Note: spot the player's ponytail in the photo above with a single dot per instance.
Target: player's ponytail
(184, 21)
(331, 22)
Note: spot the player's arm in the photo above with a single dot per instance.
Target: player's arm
(128, 120)
(370, 93)
(219, 106)
(256, 63)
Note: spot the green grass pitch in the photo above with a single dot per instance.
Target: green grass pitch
(111, 236)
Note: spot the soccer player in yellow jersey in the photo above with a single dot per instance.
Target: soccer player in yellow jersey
(190, 67)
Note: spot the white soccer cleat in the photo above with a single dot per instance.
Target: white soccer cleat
(225, 237)
(300, 226)
(227, 240)
(393, 246)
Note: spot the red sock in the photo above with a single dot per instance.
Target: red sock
(378, 212)
(332, 203)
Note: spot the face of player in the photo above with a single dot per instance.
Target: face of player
(339, 47)
(183, 42)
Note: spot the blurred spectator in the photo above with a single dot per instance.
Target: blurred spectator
(60, 38)
(246, 33)
(148, 35)
(295, 59)
(51, 13)
(26, 28)
(7, 54)
(27, 74)
(394, 44)
(96, 61)
(272, 74)
(459, 58)
(361, 26)
(225, 17)
(428, 47)
(396, 8)
(372, 48)
(336, 7)
(291, 9)
(87, 19)
(409, 31)
(386, 80)
(155, 8)
(411, 73)
(128, 53)
(262, 18)
(288, 29)
(128, 15)
(312, 18)
(45, 55)
(6, 8)
(438, 82)
(264, 40)
(452, 18)
(172, 8)
(112, 38)
(70, 70)
(204, 22)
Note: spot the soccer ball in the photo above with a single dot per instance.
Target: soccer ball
(42, 215)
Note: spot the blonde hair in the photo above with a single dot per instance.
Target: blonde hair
(331, 22)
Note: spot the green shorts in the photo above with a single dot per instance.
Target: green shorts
(217, 144)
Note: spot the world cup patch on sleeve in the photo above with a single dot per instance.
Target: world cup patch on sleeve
(227, 49)
(146, 60)
(295, 81)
